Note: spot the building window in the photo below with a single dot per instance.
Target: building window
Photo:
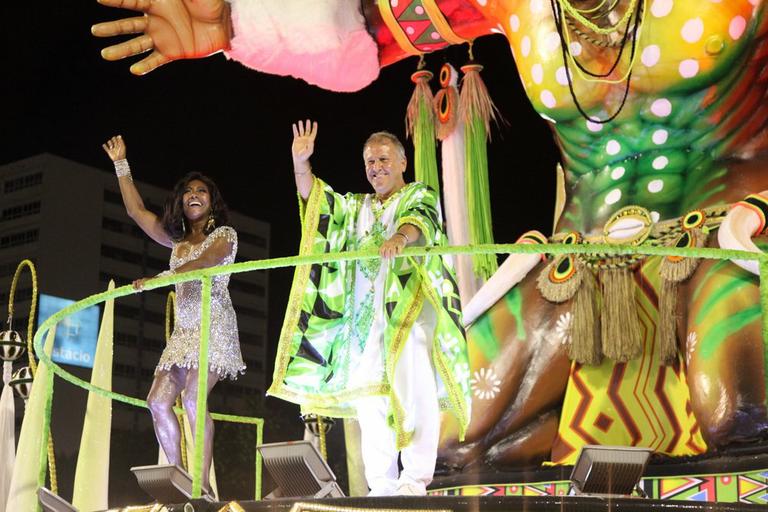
(249, 238)
(118, 254)
(15, 239)
(253, 313)
(121, 227)
(244, 286)
(22, 210)
(254, 365)
(125, 370)
(22, 294)
(114, 197)
(122, 338)
(125, 311)
(129, 340)
(22, 182)
(251, 339)
(9, 269)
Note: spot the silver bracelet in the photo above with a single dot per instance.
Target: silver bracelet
(166, 273)
(123, 169)
(407, 240)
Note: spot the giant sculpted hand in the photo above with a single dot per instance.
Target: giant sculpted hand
(173, 29)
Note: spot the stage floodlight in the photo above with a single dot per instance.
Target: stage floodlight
(609, 470)
(166, 483)
(299, 471)
(53, 503)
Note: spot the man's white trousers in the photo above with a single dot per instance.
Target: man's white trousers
(415, 386)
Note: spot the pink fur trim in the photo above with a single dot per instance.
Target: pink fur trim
(328, 47)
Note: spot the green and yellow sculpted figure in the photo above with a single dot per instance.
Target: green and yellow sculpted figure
(659, 109)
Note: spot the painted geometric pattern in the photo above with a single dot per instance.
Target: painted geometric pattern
(638, 403)
(414, 20)
(748, 487)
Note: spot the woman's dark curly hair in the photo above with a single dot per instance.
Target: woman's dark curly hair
(173, 211)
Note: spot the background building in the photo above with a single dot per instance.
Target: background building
(69, 220)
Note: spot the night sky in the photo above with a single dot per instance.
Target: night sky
(234, 124)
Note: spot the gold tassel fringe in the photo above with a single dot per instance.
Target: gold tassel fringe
(673, 271)
(585, 342)
(620, 326)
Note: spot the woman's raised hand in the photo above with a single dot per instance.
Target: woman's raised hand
(115, 148)
(172, 29)
(303, 141)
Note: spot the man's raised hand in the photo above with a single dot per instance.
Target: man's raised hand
(303, 141)
(172, 29)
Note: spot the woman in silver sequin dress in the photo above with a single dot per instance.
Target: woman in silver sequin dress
(194, 226)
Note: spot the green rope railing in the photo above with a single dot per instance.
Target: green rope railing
(206, 275)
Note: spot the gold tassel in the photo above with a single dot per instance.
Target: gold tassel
(566, 278)
(620, 326)
(667, 322)
(674, 270)
(585, 342)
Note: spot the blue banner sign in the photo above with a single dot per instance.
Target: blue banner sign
(76, 335)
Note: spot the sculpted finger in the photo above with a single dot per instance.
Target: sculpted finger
(133, 5)
(135, 46)
(120, 27)
(295, 131)
(314, 130)
(154, 61)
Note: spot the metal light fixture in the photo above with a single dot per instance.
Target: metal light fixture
(53, 503)
(166, 483)
(299, 470)
(609, 470)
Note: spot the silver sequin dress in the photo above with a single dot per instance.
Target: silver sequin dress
(183, 347)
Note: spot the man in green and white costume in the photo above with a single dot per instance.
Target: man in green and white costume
(380, 339)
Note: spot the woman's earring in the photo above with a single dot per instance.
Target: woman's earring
(211, 223)
(183, 227)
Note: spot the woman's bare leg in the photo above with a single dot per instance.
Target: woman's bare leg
(190, 405)
(166, 386)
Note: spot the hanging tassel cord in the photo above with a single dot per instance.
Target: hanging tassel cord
(477, 111)
(420, 126)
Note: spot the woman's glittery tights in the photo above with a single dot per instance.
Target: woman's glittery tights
(166, 387)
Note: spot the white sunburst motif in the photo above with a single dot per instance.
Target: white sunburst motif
(485, 384)
(690, 345)
(563, 327)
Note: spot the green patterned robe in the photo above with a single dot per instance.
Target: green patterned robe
(316, 355)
